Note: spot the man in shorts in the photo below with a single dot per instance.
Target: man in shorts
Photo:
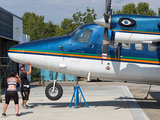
(25, 86)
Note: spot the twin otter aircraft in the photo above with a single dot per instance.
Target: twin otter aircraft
(121, 47)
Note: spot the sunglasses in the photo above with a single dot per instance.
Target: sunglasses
(22, 69)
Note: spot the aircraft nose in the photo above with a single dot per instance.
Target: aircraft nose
(34, 52)
(16, 52)
(39, 52)
(27, 52)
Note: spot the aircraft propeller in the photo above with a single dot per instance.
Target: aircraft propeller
(107, 15)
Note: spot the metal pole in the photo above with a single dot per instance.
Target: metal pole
(83, 97)
(77, 81)
(56, 76)
(55, 81)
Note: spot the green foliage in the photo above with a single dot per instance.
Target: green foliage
(128, 9)
(35, 74)
(67, 26)
(34, 26)
(141, 9)
(50, 29)
(159, 11)
(78, 18)
(86, 17)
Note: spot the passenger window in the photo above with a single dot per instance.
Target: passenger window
(126, 46)
(113, 44)
(152, 47)
(139, 46)
(85, 36)
(76, 39)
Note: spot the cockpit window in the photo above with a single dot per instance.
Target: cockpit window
(76, 31)
(76, 39)
(84, 38)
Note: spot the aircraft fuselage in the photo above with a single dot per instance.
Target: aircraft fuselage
(80, 54)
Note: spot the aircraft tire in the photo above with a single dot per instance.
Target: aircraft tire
(54, 95)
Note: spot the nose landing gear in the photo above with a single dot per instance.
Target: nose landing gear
(54, 93)
(54, 90)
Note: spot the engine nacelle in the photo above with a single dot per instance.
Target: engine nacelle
(122, 37)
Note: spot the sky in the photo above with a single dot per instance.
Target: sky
(56, 10)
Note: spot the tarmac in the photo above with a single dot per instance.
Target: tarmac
(106, 102)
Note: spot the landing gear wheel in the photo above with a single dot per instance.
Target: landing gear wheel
(54, 95)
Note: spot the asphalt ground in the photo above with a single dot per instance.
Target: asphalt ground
(106, 100)
(151, 106)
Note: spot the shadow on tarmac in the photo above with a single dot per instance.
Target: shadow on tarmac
(117, 104)
(147, 103)
(25, 113)
(152, 103)
(156, 96)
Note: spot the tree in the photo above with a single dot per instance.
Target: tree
(34, 26)
(86, 17)
(67, 25)
(128, 9)
(35, 74)
(141, 9)
(78, 18)
(159, 11)
(50, 29)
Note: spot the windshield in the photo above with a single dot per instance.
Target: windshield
(76, 31)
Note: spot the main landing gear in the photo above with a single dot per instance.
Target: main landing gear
(54, 90)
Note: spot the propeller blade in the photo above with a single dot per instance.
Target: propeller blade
(105, 36)
(105, 44)
(105, 21)
(108, 11)
(106, 17)
(108, 7)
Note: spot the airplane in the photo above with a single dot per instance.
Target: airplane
(118, 47)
